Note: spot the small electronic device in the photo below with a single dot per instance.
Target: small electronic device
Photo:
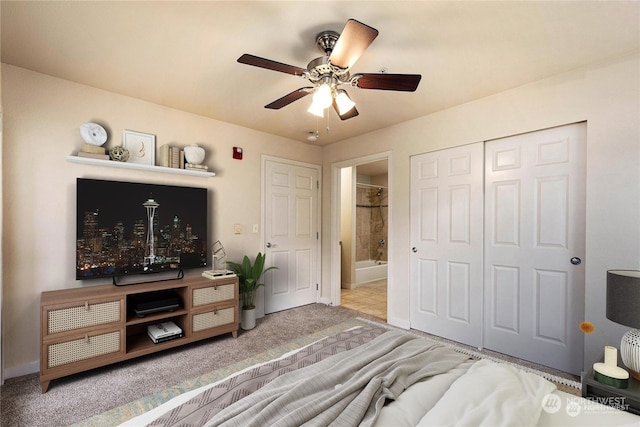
(164, 331)
(212, 274)
(154, 302)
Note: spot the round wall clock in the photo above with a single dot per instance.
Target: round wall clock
(93, 133)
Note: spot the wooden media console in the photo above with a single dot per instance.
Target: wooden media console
(85, 328)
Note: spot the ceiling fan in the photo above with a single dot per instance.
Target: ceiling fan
(331, 70)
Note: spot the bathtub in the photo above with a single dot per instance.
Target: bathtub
(370, 271)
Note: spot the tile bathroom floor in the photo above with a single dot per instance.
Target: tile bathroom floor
(370, 298)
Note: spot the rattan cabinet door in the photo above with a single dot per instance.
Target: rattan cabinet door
(214, 318)
(81, 315)
(80, 334)
(214, 307)
(82, 347)
(213, 294)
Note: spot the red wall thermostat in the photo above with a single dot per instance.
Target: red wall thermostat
(237, 153)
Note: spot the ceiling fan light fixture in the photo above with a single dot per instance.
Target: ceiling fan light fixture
(326, 73)
(323, 97)
(316, 109)
(343, 102)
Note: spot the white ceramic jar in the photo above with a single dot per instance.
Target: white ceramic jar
(194, 154)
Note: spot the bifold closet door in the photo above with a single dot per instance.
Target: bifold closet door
(534, 246)
(498, 239)
(447, 242)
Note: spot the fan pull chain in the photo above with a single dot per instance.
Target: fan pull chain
(328, 128)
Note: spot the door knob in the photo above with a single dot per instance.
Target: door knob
(414, 249)
(576, 261)
(271, 245)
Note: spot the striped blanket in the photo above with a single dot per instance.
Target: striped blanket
(344, 381)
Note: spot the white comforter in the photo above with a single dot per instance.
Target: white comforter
(484, 393)
(487, 394)
(508, 397)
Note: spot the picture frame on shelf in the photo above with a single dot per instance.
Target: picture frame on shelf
(141, 146)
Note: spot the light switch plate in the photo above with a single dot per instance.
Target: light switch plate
(237, 228)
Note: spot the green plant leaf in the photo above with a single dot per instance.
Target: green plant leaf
(249, 277)
(246, 266)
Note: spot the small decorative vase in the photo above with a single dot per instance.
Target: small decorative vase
(248, 319)
(194, 154)
(119, 154)
(630, 352)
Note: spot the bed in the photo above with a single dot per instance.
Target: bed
(373, 376)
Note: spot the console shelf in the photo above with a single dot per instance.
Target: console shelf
(155, 317)
(140, 345)
(85, 328)
(127, 165)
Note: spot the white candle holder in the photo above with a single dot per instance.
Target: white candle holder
(608, 372)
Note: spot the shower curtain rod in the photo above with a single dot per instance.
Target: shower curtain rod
(362, 184)
(372, 206)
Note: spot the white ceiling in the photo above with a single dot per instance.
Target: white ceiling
(183, 54)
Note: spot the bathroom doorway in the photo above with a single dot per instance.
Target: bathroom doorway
(364, 235)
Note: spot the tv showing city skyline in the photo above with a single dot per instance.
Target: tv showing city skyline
(126, 228)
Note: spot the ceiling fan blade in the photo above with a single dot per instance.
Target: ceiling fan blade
(353, 41)
(289, 98)
(384, 81)
(348, 115)
(256, 61)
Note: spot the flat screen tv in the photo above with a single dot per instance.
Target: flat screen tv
(126, 228)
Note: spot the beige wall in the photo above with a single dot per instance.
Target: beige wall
(42, 116)
(607, 97)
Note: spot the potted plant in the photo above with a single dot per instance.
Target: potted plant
(249, 277)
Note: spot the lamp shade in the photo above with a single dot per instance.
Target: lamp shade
(344, 103)
(323, 96)
(316, 110)
(623, 297)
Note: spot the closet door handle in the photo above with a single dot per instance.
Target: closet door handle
(576, 261)
(414, 249)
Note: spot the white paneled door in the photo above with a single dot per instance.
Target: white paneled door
(291, 234)
(498, 245)
(534, 246)
(446, 233)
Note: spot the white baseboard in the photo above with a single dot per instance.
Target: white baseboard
(26, 369)
(325, 301)
(399, 323)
